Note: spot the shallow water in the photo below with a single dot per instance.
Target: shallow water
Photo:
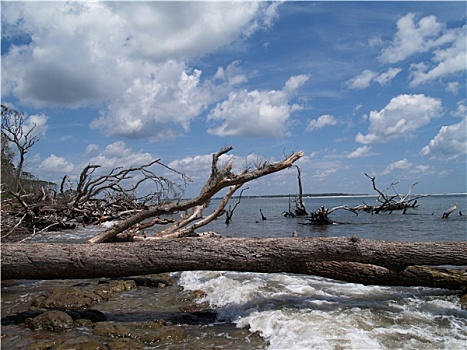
(296, 311)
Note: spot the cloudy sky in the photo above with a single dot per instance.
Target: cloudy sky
(361, 87)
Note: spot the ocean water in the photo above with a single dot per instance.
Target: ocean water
(307, 312)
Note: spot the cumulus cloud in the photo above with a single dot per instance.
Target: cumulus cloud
(402, 164)
(118, 154)
(448, 46)
(131, 57)
(446, 61)
(321, 122)
(403, 115)
(412, 38)
(56, 165)
(256, 113)
(450, 142)
(367, 77)
(360, 152)
(37, 123)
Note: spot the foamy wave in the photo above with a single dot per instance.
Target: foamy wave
(305, 312)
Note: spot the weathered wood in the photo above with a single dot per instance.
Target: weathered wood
(219, 179)
(317, 256)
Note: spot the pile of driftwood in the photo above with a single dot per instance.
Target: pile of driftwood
(99, 198)
(384, 202)
(95, 199)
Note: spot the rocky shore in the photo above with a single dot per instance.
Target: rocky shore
(132, 313)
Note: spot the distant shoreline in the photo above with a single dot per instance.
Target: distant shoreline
(338, 195)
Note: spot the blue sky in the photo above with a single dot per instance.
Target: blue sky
(361, 87)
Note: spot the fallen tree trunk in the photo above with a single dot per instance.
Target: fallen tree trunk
(346, 258)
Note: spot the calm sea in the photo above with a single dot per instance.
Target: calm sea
(306, 312)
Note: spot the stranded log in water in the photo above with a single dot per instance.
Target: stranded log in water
(349, 259)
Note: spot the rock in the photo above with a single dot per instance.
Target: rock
(82, 343)
(45, 344)
(81, 296)
(54, 320)
(116, 285)
(463, 301)
(68, 298)
(146, 332)
(110, 329)
(125, 344)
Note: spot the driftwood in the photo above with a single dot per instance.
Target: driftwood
(345, 258)
(220, 178)
(300, 209)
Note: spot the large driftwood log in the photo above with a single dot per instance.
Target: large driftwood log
(220, 178)
(345, 258)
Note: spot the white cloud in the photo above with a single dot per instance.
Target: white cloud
(428, 34)
(403, 115)
(56, 165)
(38, 122)
(91, 148)
(117, 154)
(321, 122)
(402, 164)
(385, 77)
(256, 113)
(447, 61)
(375, 41)
(367, 77)
(360, 152)
(461, 110)
(324, 174)
(453, 87)
(450, 142)
(131, 56)
(363, 80)
(412, 38)
(159, 107)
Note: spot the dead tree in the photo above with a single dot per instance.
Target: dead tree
(220, 178)
(14, 130)
(345, 258)
(300, 209)
(449, 211)
(229, 213)
(96, 198)
(386, 202)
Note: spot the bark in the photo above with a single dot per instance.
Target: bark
(346, 258)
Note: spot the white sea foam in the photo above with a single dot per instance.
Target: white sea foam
(304, 312)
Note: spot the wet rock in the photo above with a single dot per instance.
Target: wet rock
(159, 281)
(125, 344)
(463, 301)
(196, 294)
(80, 297)
(113, 286)
(45, 344)
(54, 320)
(82, 343)
(114, 330)
(146, 332)
(68, 298)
